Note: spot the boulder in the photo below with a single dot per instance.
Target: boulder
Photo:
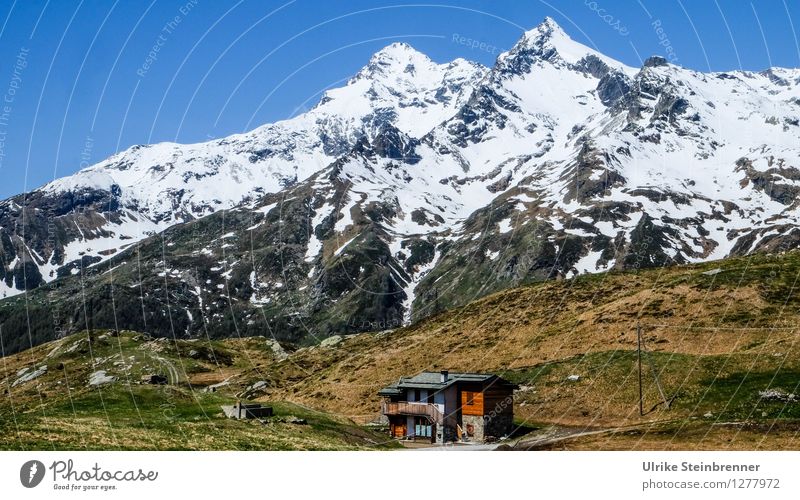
(154, 379)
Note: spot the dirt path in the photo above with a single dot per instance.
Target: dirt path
(549, 436)
(541, 438)
(553, 435)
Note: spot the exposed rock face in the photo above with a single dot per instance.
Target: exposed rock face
(614, 89)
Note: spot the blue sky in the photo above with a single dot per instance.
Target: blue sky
(78, 84)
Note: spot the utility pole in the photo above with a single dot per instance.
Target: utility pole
(639, 345)
(667, 402)
(639, 363)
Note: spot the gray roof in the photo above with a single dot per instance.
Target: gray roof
(433, 380)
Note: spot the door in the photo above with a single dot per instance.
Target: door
(399, 430)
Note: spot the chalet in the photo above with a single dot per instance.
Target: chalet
(447, 406)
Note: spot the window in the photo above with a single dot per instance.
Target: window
(422, 428)
(417, 395)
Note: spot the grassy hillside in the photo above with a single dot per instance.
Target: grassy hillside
(722, 338)
(60, 408)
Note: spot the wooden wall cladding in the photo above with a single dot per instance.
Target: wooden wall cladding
(471, 403)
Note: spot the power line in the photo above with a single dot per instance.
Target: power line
(639, 363)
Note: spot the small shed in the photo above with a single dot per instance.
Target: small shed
(247, 410)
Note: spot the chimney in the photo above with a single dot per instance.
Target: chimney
(444, 376)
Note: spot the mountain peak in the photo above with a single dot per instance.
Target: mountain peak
(396, 57)
(548, 28)
(548, 42)
(399, 50)
(548, 35)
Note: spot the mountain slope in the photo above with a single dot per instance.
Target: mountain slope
(656, 170)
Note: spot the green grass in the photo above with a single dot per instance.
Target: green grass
(169, 418)
(59, 410)
(737, 395)
(727, 387)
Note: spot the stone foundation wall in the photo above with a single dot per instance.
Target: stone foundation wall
(477, 424)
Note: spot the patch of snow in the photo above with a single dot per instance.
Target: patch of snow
(341, 248)
(504, 226)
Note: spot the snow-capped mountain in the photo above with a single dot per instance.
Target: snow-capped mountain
(564, 161)
(174, 182)
(421, 186)
(106, 207)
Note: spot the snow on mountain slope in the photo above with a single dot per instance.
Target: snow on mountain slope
(176, 182)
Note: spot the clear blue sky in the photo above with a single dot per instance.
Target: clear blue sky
(228, 66)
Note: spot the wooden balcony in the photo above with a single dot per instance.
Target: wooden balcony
(431, 411)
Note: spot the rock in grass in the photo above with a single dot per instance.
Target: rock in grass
(27, 376)
(331, 341)
(100, 377)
